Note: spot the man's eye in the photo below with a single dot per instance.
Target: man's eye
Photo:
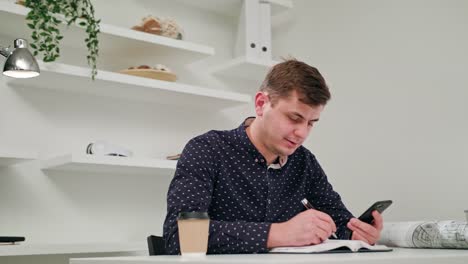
(294, 118)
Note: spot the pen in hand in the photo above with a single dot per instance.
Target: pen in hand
(307, 205)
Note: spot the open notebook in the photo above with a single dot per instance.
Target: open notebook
(333, 246)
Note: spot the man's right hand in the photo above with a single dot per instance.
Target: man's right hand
(306, 228)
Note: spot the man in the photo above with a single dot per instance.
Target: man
(251, 180)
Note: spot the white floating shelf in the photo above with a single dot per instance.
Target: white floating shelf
(23, 248)
(245, 68)
(116, 85)
(113, 40)
(232, 8)
(8, 159)
(109, 164)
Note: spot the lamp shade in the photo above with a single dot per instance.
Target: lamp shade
(21, 63)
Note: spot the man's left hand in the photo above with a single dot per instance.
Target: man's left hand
(369, 233)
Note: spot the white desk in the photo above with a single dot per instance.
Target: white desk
(397, 256)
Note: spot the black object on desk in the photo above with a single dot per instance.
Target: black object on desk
(11, 239)
(156, 245)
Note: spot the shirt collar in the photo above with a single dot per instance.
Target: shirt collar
(250, 148)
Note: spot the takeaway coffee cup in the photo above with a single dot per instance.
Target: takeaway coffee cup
(193, 233)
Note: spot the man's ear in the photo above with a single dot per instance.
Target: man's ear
(261, 99)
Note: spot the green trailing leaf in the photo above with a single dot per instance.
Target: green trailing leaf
(44, 20)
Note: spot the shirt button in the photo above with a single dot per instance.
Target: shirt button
(269, 201)
(262, 160)
(256, 160)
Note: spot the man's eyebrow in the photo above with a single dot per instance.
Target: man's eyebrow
(297, 114)
(300, 116)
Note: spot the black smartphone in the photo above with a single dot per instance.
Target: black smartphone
(379, 206)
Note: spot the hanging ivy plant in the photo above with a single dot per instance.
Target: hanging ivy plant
(44, 20)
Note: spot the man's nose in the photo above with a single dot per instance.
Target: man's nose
(302, 131)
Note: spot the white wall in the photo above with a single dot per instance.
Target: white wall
(395, 128)
(397, 124)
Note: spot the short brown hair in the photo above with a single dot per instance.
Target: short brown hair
(293, 75)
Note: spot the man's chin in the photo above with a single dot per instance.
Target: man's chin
(287, 151)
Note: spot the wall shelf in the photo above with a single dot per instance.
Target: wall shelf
(24, 248)
(8, 159)
(108, 164)
(112, 39)
(127, 87)
(245, 68)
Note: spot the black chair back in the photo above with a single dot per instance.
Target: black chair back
(156, 245)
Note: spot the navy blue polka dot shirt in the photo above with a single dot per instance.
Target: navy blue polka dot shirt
(222, 173)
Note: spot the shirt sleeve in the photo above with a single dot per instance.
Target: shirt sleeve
(191, 190)
(327, 200)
